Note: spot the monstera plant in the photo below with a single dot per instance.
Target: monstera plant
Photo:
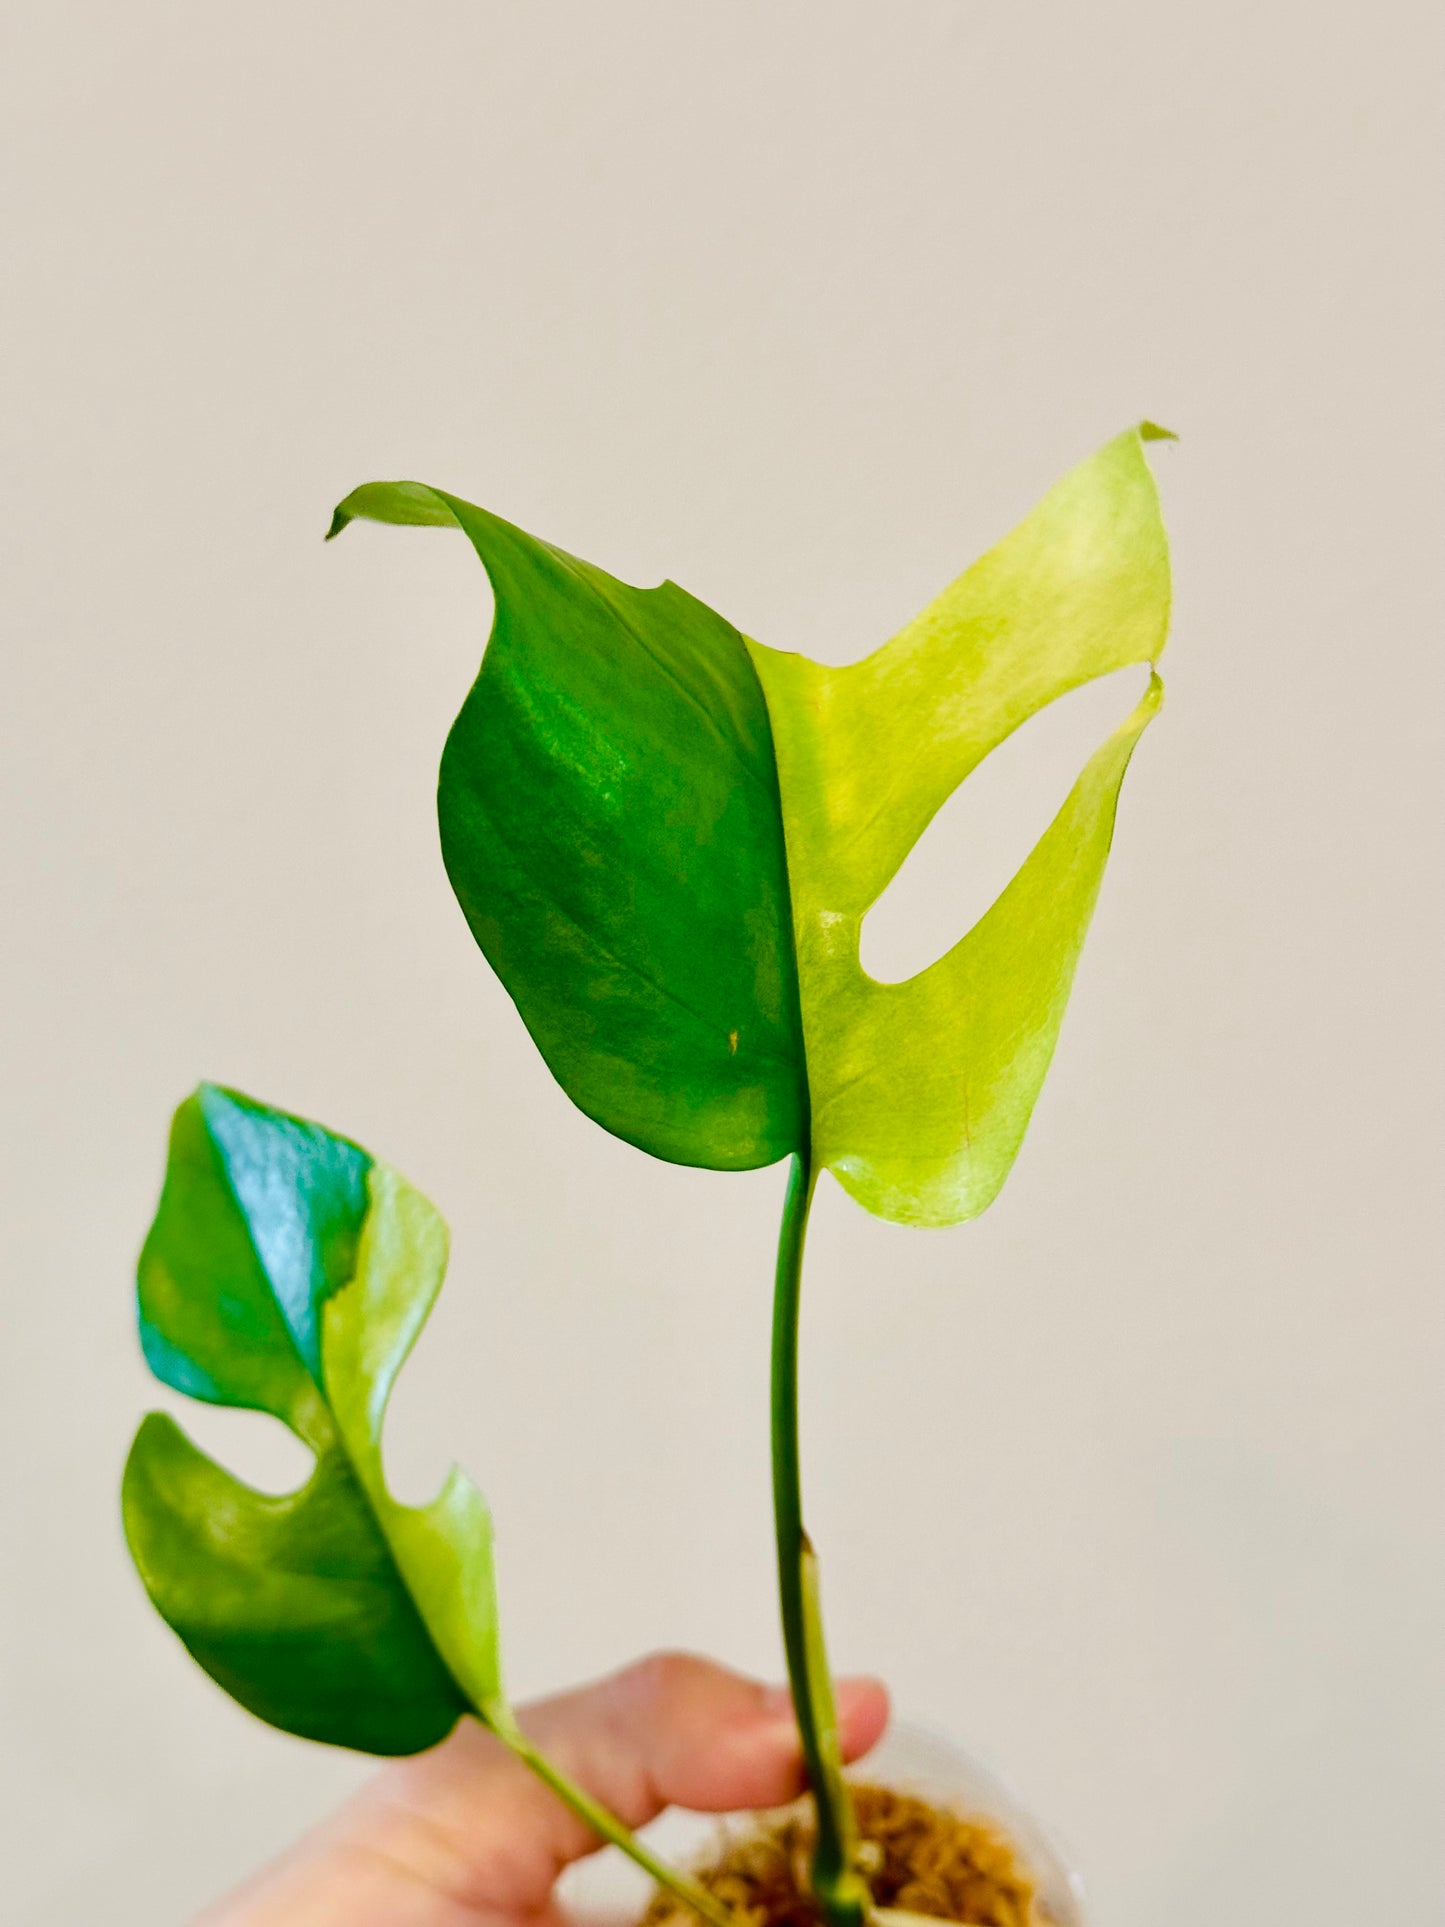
(665, 838)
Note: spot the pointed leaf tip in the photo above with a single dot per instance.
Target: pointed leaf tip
(1152, 432)
(407, 504)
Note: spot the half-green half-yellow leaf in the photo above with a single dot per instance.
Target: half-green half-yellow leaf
(665, 837)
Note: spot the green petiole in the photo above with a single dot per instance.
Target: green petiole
(841, 1891)
(500, 1721)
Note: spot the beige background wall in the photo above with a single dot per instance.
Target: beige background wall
(1136, 1484)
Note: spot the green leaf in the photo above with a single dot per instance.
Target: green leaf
(611, 825)
(289, 1272)
(666, 838)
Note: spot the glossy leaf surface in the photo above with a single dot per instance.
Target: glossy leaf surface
(610, 822)
(688, 962)
(290, 1273)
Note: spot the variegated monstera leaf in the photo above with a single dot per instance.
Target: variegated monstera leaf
(665, 837)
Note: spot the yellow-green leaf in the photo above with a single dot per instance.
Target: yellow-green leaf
(921, 1091)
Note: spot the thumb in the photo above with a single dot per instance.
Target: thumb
(672, 1730)
(677, 1730)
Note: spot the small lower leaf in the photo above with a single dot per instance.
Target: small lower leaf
(333, 1612)
(291, 1604)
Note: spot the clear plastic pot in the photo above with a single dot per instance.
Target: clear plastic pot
(608, 1891)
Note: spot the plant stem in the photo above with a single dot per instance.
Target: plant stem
(841, 1890)
(501, 1721)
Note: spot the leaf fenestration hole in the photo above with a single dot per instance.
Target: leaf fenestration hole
(252, 1446)
(983, 834)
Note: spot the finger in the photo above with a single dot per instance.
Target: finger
(676, 1730)
(671, 1730)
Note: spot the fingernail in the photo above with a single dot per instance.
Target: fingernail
(853, 1691)
(849, 1694)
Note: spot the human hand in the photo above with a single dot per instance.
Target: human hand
(465, 1836)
